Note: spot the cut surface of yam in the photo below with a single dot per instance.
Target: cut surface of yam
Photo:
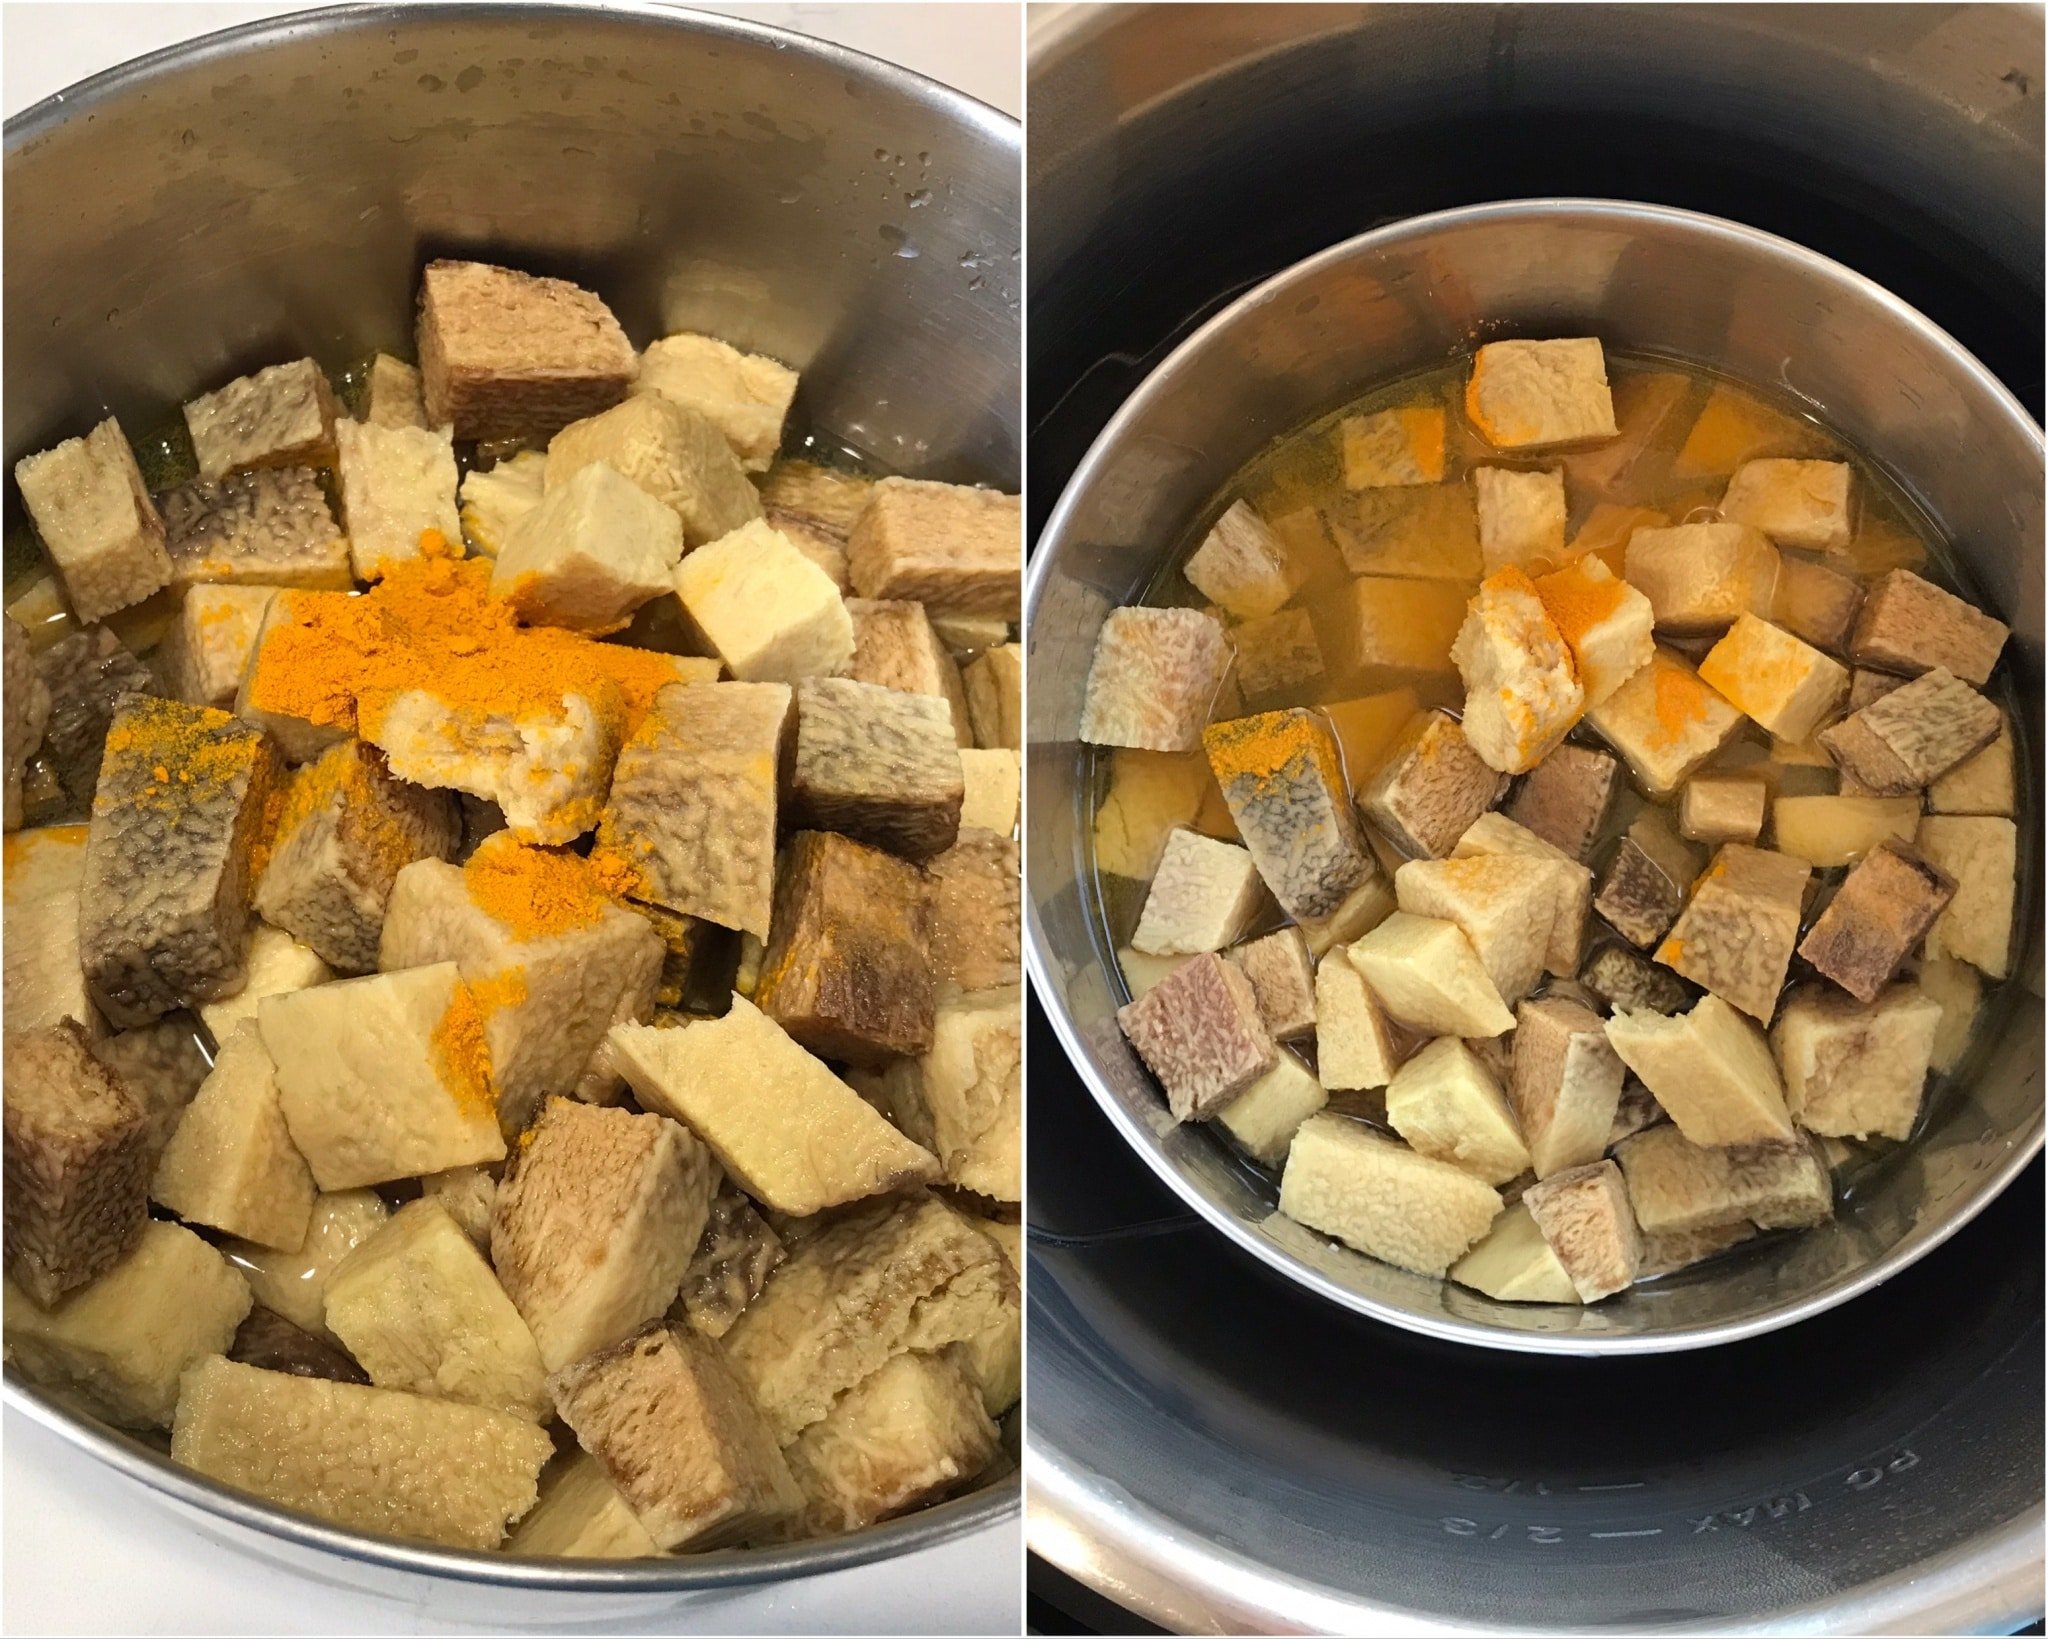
(1522, 689)
(1710, 1068)
(1427, 975)
(1856, 1069)
(1515, 1264)
(1379, 1197)
(1584, 1214)
(1564, 1083)
(1203, 895)
(1448, 1106)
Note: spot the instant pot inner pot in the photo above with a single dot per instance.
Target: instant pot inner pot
(1211, 1408)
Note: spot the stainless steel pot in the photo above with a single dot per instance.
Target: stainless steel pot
(272, 191)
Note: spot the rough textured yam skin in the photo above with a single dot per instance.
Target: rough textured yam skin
(1564, 1083)
(1910, 625)
(1645, 884)
(27, 704)
(280, 417)
(1817, 604)
(877, 765)
(1429, 792)
(1282, 778)
(162, 1065)
(1199, 1032)
(1153, 679)
(272, 527)
(1913, 735)
(1629, 982)
(1674, 1250)
(1381, 1198)
(734, 1258)
(948, 546)
(1564, 798)
(1736, 933)
(1882, 910)
(92, 513)
(1584, 1214)
(1856, 1069)
(86, 675)
(896, 647)
(1677, 1187)
(1283, 978)
(1710, 1069)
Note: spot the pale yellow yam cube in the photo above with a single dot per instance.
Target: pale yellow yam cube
(1564, 1083)
(1141, 972)
(1982, 853)
(1606, 623)
(1402, 625)
(1521, 517)
(1502, 906)
(294, 1283)
(1980, 784)
(1265, 1116)
(1522, 692)
(1154, 678)
(1854, 1069)
(1959, 991)
(676, 455)
(1448, 1106)
(592, 552)
(380, 1077)
(284, 416)
(1426, 974)
(1716, 808)
(1364, 908)
(86, 498)
(1529, 395)
(1790, 687)
(1570, 883)
(790, 1132)
(963, 1098)
(995, 697)
(1701, 578)
(772, 615)
(420, 1310)
(277, 965)
(1242, 566)
(392, 394)
(1357, 1044)
(581, 1515)
(1828, 832)
(494, 501)
(44, 979)
(469, 1194)
(1150, 793)
(368, 1458)
(119, 1344)
(1796, 503)
(1514, 1263)
(231, 1164)
(1202, 897)
(1381, 1198)
(746, 396)
(1584, 1214)
(1677, 1187)
(397, 486)
(202, 657)
(993, 779)
(1665, 722)
(1711, 1069)
(1393, 447)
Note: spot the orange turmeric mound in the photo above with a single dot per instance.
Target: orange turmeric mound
(1680, 701)
(1263, 747)
(535, 892)
(1577, 601)
(460, 1056)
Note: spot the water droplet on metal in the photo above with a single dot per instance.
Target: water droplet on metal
(919, 199)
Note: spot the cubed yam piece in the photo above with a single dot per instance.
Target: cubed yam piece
(1736, 933)
(1700, 578)
(1513, 1263)
(1367, 728)
(345, 830)
(1277, 654)
(900, 1438)
(1370, 904)
(385, 1077)
(964, 1098)
(1981, 854)
(771, 614)
(590, 553)
(1521, 517)
(397, 495)
(85, 677)
(834, 497)
(367, 1458)
(1264, 1118)
(1979, 784)
(977, 914)
(1154, 677)
(177, 819)
(676, 455)
(231, 1164)
(1449, 1106)
(1957, 988)
(1733, 426)
(910, 1274)
(1199, 1031)
(1910, 625)
(1627, 981)
(877, 765)
(44, 981)
(1283, 978)
(1866, 686)
(269, 1342)
(162, 1066)
(1358, 1044)
(393, 394)
(1766, 673)
(1529, 395)
(745, 395)
(1716, 808)
(794, 1135)
(1149, 794)
(1569, 883)
(690, 824)
(1420, 531)
(496, 500)
(1142, 972)
(77, 1161)
(1584, 1213)
(1882, 910)
(581, 1515)
(1828, 832)
(1390, 447)
(284, 416)
(268, 698)
(1202, 896)
(1856, 1068)
(825, 548)
(1674, 1250)
(1796, 503)
(1425, 973)
(1390, 623)
(1710, 1068)
(1431, 789)
(1564, 1083)
(1646, 882)
(27, 703)
(994, 681)
(294, 1284)
(202, 658)
(1381, 1198)
(272, 527)
(118, 1345)
(86, 499)
(1605, 622)
(1604, 533)
(469, 1194)
(948, 546)
(1503, 907)
(1646, 404)
(1817, 603)
(1665, 722)
(848, 969)
(895, 646)
(1564, 799)
(1522, 691)
(1913, 735)
(420, 1309)
(993, 780)
(1242, 566)
(733, 1260)
(1283, 781)
(1678, 1187)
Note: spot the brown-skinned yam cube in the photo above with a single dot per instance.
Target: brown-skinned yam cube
(876, 765)
(87, 501)
(1199, 1032)
(1911, 625)
(1717, 808)
(1736, 933)
(280, 417)
(896, 647)
(1155, 675)
(1817, 603)
(1564, 1081)
(1283, 781)
(977, 913)
(1645, 885)
(1856, 1069)
(1431, 789)
(272, 527)
(1678, 1187)
(1882, 910)
(1584, 1214)
(949, 546)
(1284, 980)
(1629, 982)
(1564, 799)
(1912, 736)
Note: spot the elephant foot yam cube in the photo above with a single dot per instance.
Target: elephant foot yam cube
(1817, 603)
(994, 681)
(507, 355)
(1513, 1263)
(1677, 1187)
(470, 1194)
(1431, 788)
(898, 1439)
(1981, 854)
(1358, 1045)
(1393, 447)
(1283, 979)
(1450, 1107)
(1242, 566)
(1203, 895)
(345, 831)
(1369, 904)
(1736, 933)
(1283, 781)
(1277, 654)
(1980, 784)
(1200, 1033)
(1857, 1069)
(895, 646)
(1766, 673)
(496, 500)
(1564, 799)
(977, 913)
(275, 696)
(1702, 578)
(596, 1222)
(398, 489)
(85, 676)
(1584, 1214)
(848, 968)
(272, 527)
(1665, 722)
(771, 614)
(1392, 623)
(1426, 974)
(947, 546)
(1495, 836)
(177, 822)
(1912, 736)
(1629, 982)
(1521, 517)
(994, 782)
(792, 1134)
(294, 1284)
(1797, 503)
(1424, 531)
(1957, 989)
(1829, 831)
(1910, 625)
(676, 455)
(384, 1078)
(1882, 910)
(877, 766)
(284, 416)
(1522, 692)
(231, 1164)
(1378, 1196)
(1866, 686)
(589, 554)
(745, 395)
(86, 499)
(581, 1515)
(1154, 678)
(1711, 1069)
(44, 982)
(1717, 808)
(734, 1258)
(77, 1162)
(1531, 395)
(393, 394)
(1646, 883)
(202, 657)
(1606, 623)
(1501, 905)
(120, 1344)
(1264, 1118)
(367, 1458)
(1564, 1082)
(1674, 1250)
(964, 1099)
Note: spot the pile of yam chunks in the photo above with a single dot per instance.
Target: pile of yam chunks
(1493, 1040)
(635, 1223)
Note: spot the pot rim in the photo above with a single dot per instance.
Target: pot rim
(1041, 960)
(723, 1569)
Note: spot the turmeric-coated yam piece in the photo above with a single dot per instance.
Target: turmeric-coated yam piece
(977, 913)
(1530, 395)
(876, 765)
(1679, 1187)
(1431, 788)
(948, 546)
(1200, 1033)
(1378, 1196)
(1584, 1214)
(1910, 625)
(86, 499)
(1283, 780)
(1154, 678)
(1393, 447)
(1736, 933)
(1856, 1069)
(1522, 689)
(1912, 736)
(1769, 675)
(1665, 722)
(1502, 906)
(271, 527)
(1881, 911)
(280, 417)
(1710, 1068)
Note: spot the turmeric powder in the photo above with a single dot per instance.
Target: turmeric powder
(1273, 743)
(460, 1056)
(154, 746)
(535, 892)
